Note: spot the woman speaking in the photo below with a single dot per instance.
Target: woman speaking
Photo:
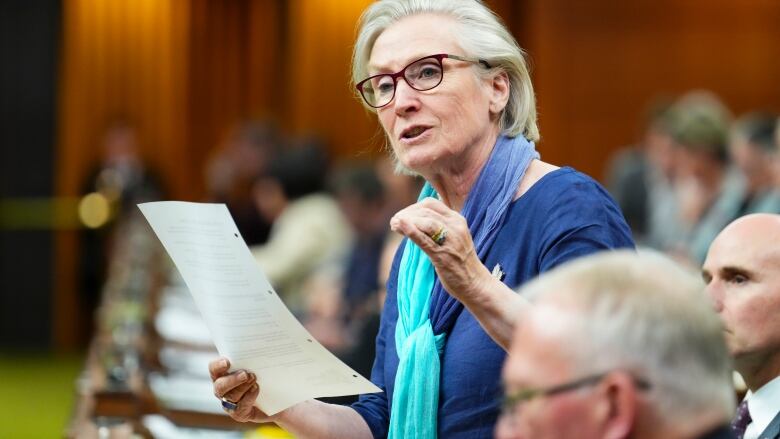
(452, 92)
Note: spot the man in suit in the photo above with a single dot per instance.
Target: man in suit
(742, 272)
(617, 345)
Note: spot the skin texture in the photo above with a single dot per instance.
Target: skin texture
(461, 116)
(742, 273)
(539, 357)
(548, 350)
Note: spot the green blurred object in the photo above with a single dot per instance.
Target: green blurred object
(37, 393)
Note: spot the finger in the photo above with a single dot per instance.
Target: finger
(225, 384)
(219, 367)
(415, 227)
(419, 235)
(437, 206)
(238, 392)
(246, 409)
(419, 209)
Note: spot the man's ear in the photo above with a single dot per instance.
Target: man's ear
(499, 87)
(617, 406)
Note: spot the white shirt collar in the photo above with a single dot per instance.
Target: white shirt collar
(763, 406)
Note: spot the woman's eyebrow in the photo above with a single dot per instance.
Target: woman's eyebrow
(374, 69)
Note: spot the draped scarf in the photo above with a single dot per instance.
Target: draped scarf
(426, 312)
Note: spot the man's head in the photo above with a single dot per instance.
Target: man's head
(752, 149)
(742, 272)
(616, 345)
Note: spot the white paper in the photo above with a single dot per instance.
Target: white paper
(248, 321)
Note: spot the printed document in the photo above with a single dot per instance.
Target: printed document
(248, 321)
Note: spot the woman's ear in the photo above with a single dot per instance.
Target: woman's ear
(499, 88)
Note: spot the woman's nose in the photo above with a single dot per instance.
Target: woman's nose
(406, 98)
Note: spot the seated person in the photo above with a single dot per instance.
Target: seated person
(752, 149)
(617, 345)
(309, 232)
(742, 272)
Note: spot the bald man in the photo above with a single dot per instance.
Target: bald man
(742, 273)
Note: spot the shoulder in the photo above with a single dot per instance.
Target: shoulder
(564, 204)
(566, 188)
(536, 171)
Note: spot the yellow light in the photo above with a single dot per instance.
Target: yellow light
(94, 210)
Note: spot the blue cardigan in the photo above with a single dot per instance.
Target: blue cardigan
(564, 215)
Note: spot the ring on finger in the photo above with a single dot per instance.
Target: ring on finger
(440, 236)
(229, 406)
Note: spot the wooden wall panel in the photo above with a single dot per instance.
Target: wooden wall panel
(598, 63)
(183, 72)
(128, 58)
(318, 92)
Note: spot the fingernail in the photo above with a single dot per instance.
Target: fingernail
(224, 363)
(254, 387)
(242, 376)
(254, 377)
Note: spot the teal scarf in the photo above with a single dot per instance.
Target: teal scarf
(415, 402)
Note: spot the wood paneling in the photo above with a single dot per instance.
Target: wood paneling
(597, 64)
(181, 71)
(317, 80)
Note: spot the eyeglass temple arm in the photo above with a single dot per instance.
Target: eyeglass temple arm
(474, 60)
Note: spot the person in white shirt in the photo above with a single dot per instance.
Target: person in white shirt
(742, 273)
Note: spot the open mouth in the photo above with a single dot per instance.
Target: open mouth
(413, 132)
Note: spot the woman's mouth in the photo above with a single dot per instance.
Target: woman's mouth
(413, 133)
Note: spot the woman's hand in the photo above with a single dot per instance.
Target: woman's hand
(239, 387)
(456, 262)
(496, 306)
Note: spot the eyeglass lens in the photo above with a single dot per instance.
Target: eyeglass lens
(421, 75)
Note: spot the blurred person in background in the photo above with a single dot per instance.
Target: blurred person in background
(362, 198)
(742, 273)
(118, 182)
(231, 173)
(641, 177)
(452, 92)
(310, 233)
(618, 345)
(346, 315)
(709, 192)
(401, 189)
(753, 153)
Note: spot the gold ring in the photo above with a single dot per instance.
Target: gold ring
(440, 236)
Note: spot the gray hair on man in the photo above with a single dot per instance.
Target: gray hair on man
(481, 34)
(640, 312)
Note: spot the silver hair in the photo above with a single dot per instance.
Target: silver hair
(644, 314)
(481, 35)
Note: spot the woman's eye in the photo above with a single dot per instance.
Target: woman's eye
(382, 85)
(427, 72)
(385, 87)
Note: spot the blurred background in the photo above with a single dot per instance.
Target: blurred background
(106, 103)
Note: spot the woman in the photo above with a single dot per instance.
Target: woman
(453, 94)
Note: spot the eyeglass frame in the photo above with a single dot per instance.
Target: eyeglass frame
(400, 74)
(510, 401)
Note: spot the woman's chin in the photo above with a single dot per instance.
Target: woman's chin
(419, 161)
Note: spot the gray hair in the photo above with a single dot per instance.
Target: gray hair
(481, 35)
(644, 314)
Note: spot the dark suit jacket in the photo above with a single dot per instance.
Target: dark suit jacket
(773, 430)
(722, 432)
